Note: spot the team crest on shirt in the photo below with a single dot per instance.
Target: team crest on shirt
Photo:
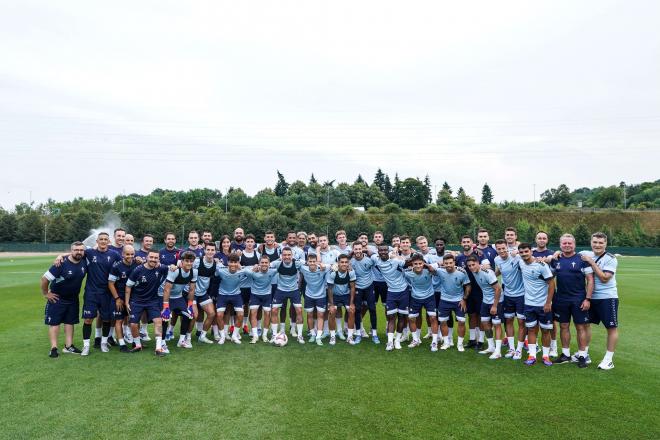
(573, 264)
(143, 279)
(69, 272)
(558, 265)
(94, 259)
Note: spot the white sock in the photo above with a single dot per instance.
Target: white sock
(490, 343)
(188, 336)
(112, 333)
(582, 353)
(182, 338)
(473, 334)
(418, 333)
(223, 333)
(98, 332)
(313, 332)
(374, 332)
(608, 356)
(532, 350)
(450, 333)
(498, 346)
(510, 340)
(520, 346)
(235, 333)
(199, 326)
(216, 331)
(121, 341)
(299, 327)
(144, 328)
(85, 342)
(350, 332)
(397, 336)
(460, 340)
(435, 337)
(159, 342)
(225, 329)
(282, 327)
(481, 336)
(553, 344)
(104, 339)
(273, 329)
(332, 333)
(546, 351)
(325, 326)
(586, 351)
(390, 338)
(566, 351)
(259, 325)
(338, 324)
(254, 332)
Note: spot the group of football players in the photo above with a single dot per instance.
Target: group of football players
(236, 287)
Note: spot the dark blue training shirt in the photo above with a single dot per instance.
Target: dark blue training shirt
(66, 279)
(144, 283)
(98, 268)
(570, 274)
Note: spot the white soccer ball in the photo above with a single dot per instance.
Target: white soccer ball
(281, 340)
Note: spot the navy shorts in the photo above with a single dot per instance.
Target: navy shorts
(119, 315)
(152, 310)
(62, 312)
(281, 296)
(427, 303)
(320, 304)
(100, 304)
(514, 307)
(398, 302)
(474, 301)
(446, 307)
(203, 300)
(366, 297)
(179, 305)
(245, 294)
(224, 300)
(342, 300)
(535, 315)
(486, 316)
(565, 310)
(380, 291)
(263, 301)
(605, 311)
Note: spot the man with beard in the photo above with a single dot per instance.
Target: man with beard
(239, 240)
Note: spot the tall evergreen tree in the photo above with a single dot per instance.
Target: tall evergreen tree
(486, 195)
(388, 190)
(281, 187)
(359, 179)
(312, 180)
(427, 185)
(379, 180)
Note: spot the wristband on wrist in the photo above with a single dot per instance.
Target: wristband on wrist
(166, 305)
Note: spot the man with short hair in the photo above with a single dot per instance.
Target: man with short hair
(455, 289)
(229, 293)
(207, 236)
(142, 297)
(439, 246)
(475, 299)
(147, 245)
(541, 251)
(508, 267)
(398, 293)
(287, 289)
(314, 274)
(117, 279)
(206, 267)
(118, 241)
(238, 244)
(605, 301)
(484, 247)
(129, 240)
(511, 238)
(342, 245)
(422, 295)
(168, 256)
(539, 290)
(260, 297)
(193, 244)
(575, 283)
(341, 293)
(249, 257)
(364, 291)
(491, 307)
(380, 286)
(60, 285)
(178, 297)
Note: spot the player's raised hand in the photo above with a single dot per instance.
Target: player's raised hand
(59, 260)
(586, 258)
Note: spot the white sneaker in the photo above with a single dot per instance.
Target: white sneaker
(363, 333)
(254, 339)
(414, 343)
(428, 335)
(606, 365)
(446, 346)
(203, 338)
(294, 332)
(164, 348)
(184, 344)
(350, 340)
(517, 355)
(105, 348)
(301, 339)
(553, 353)
(221, 340)
(145, 337)
(495, 355)
(397, 344)
(451, 342)
(405, 334)
(341, 336)
(216, 338)
(333, 340)
(487, 351)
(128, 338)
(434, 346)
(319, 341)
(264, 337)
(509, 354)
(389, 346)
(236, 339)
(460, 347)
(85, 351)
(574, 358)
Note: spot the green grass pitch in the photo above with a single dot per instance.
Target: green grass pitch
(313, 392)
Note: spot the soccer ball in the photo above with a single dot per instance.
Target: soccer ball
(281, 340)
